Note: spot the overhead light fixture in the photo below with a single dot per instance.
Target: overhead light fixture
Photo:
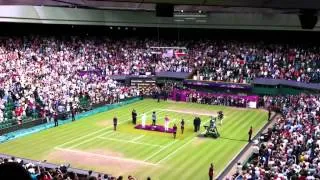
(181, 11)
(199, 11)
(111, 27)
(119, 28)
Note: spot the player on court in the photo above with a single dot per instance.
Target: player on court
(154, 118)
(143, 120)
(166, 123)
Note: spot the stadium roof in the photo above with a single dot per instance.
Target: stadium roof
(281, 6)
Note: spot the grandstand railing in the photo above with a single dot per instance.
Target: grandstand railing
(46, 165)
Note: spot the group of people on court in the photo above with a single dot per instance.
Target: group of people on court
(154, 122)
(196, 122)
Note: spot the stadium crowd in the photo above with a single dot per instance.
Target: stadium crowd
(41, 76)
(291, 148)
(44, 76)
(13, 168)
(200, 97)
(240, 62)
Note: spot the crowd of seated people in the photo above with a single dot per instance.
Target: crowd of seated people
(224, 100)
(40, 76)
(40, 73)
(291, 148)
(51, 75)
(240, 62)
(15, 168)
(212, 98)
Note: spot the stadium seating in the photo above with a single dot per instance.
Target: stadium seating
(41, 171)
(290, 150)
(60, 70)
(43, 75)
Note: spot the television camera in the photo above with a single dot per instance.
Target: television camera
(211, 130)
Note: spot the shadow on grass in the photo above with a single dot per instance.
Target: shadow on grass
(232, 139)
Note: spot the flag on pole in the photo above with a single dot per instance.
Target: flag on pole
(180, 53)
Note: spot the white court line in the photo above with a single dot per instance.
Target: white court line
(137, 138)
(175, 151)
(96, 132)
(172, 153)
(186, 112)
(120, 140)
(106, 156)
(90, 139)
(163, 148)
(81, 137)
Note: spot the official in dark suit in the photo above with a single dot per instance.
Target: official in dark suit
(115, 123)
(250, 134)
(195, 124)
(198, 124)
(182, 126)
(134, 116)
(55, 118)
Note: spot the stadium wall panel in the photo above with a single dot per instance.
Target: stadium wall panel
(77, 16)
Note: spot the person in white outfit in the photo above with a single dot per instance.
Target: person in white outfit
(166, 123)
(143, 120)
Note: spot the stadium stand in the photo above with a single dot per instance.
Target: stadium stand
(48, 77)
(46, 171)
(41, 75)
(240, 62)
(290, 149)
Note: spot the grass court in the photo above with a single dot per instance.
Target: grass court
(91, 143)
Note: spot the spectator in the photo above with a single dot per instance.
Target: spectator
(290, 150)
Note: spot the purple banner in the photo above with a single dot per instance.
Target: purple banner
(216, 84)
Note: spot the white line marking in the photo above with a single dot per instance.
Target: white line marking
(186, 112)
(175, 151)
(96, 132)
(81, 137)
(137, 138)
(163, 148)
(120, 140)
(106, 156)
(90, 139)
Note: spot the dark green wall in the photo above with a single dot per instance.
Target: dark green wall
(279, 90)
